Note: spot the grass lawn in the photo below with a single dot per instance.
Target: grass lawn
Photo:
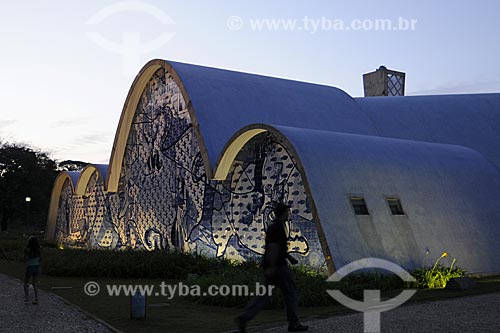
(181, 314)
(176, 314)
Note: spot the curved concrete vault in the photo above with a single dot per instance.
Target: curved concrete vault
(201, 154)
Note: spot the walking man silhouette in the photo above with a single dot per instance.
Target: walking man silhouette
(277, 273)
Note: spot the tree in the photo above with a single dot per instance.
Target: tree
(70, 165)
(25, 172)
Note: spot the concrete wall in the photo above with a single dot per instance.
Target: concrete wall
(471, 121)
(449, 194)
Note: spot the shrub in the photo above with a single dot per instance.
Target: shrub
(230, 277)
(437, 276)
(312, 287)
(126, 264)
(311, 283)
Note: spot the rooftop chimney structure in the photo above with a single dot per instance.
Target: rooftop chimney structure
(384, 82)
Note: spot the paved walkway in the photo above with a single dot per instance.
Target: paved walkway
(50, 315)
(465, 314)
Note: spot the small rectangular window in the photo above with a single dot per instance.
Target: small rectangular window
(359, 206)
(395, 206)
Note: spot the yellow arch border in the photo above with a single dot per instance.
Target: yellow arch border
(111, 179)
(84, 178)
(50, 232)
(77, 189)
(234, 145)
(127, 116)
(230, 151)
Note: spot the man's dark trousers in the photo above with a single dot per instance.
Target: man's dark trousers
(281, 278)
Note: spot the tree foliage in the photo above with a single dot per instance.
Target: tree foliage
(25, 172)
(70, 165)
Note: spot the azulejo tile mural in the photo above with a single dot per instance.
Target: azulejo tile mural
(165, 200)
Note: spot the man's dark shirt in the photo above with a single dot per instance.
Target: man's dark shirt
(276, 234)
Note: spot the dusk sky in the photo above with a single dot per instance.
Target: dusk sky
(66, 66)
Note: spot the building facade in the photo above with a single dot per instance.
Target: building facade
(201, 155)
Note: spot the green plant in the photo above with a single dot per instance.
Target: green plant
(437, 276)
